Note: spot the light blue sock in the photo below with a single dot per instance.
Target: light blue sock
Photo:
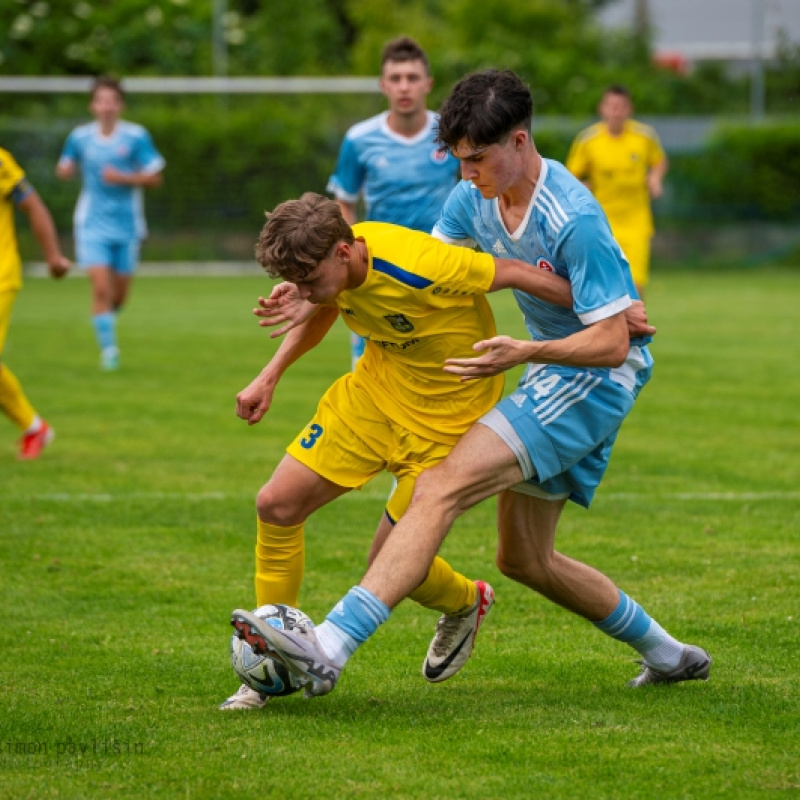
(105, 329)
(629, 623)
(351, 622)
(357, 345)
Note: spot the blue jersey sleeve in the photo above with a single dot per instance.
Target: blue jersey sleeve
(348, 177)
(145, 154)
(455, 221)
(598, 272)
(71, 150)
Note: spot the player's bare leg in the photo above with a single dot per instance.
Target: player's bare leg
(479, 466)
(526, 554)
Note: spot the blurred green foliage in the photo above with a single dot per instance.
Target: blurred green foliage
(230, 158)
(556, 45)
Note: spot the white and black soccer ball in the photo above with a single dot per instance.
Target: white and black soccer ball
(262, 673)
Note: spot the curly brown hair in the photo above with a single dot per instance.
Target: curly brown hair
(299, 234)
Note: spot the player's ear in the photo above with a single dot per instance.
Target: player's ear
(342, 251)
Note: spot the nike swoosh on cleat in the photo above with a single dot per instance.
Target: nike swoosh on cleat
(432, 672)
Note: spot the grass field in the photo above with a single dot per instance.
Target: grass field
(125, 546)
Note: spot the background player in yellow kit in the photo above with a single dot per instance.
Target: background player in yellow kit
(16, 190)
(622, 162)
(417, 301)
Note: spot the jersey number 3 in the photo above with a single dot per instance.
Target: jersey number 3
(314, 432)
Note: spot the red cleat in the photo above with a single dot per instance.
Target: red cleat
(32, 444)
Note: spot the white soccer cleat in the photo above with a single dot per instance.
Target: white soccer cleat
(455, 637)
(695, 665)
(246, 699)
(297, 649)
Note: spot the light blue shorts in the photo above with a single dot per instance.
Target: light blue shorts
(561, 423)
(122, 257)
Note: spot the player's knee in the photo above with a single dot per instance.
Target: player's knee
(276, 508)
(432, 487)
(530, 571)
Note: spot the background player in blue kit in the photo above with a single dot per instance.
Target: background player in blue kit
(117, 159)
(548, 442)
(392, 160)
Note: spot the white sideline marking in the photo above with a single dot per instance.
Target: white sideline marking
(195, 497)
(735, 496)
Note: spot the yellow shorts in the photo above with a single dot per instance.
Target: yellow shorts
(350, 440)
(637, 250)
(6, 304)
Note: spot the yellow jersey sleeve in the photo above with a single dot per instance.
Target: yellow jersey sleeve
(11, 174)
(578, 160)
(11, 177)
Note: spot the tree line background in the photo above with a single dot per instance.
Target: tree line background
(230, 158)
(558, 45)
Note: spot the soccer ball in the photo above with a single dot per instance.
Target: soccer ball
(262, 673)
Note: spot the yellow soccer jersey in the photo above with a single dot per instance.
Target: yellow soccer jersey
(12, 180)
(421, 302)
(616, 169)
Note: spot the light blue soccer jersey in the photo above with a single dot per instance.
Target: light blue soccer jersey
(566, 232)
(105, 212)
(404, 180)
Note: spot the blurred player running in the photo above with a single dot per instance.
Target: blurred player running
(117, 159)
(622, 162)
(392, 160)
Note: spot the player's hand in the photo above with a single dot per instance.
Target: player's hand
(284, 307)
(655, 186)
(636, 318)
(59, 267)
(115, 177)
(254, 400)
(500, 353)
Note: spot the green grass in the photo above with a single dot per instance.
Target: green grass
(123, 549)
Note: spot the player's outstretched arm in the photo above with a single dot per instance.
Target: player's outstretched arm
(253, 402)
(284, 305)
(511, 273)
(45, 232)
(514, 274)
(604, 344)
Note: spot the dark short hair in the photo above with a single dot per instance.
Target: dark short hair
(299, 234)
(618, 89)
(404, 49)
(484, 108)
(108, 82)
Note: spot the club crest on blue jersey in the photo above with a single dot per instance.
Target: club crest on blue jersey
(438, 156)
(399, 322)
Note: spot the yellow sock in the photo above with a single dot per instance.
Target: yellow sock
(13, 402)
(280, 559)
(444, 589)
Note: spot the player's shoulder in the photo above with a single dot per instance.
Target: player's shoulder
(386, 235)
(132, 130)
(562, 200)
(588, 134)
(642, 129)
(367, 127)
(464, 192)
(84, 131)
(8, 165)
